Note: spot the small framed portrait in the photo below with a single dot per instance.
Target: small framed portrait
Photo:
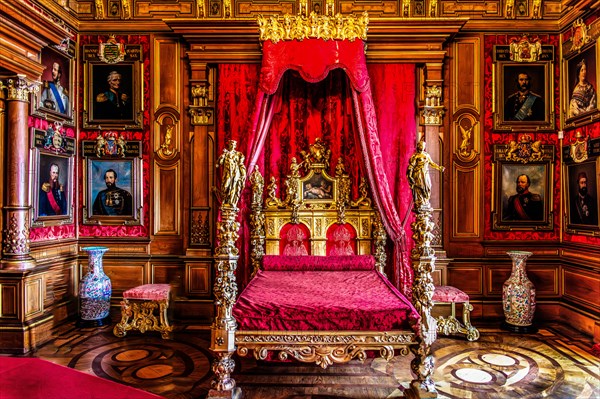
(523, 96)
(522, 192)
(523, 199)
(582, 203)
(581, 71)
(55, 99)
(318, 187)
(113, 190)
(52, 191)
(113, 97)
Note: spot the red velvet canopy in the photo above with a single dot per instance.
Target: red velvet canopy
(313, 59)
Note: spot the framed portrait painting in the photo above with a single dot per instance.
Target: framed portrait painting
(522, 192)
(581, 71)
(113, 191)
(523, 96)
(113, 95)
(582, 203)
(52, 189)
(55, 99)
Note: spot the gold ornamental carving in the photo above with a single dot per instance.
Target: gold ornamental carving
(524, 150)
(19, 88)
(16, 240)
(257, 220)
(323, 348)
(509, 11)
(200, 230)
(313, 26)
(99, 9)
(225, 289)
(579, 148)
(580, 36)
(433, 111)
(139, 315)
(524, 49)
(466, 150)
(423, 262)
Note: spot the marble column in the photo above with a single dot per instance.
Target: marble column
(16, 209)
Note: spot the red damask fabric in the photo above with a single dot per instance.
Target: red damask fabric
(323, 300)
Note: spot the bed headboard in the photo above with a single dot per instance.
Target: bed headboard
(312, 208)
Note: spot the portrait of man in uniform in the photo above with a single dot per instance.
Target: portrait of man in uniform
(583, 195)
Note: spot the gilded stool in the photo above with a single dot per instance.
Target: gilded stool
(448, 295)
(137, 310)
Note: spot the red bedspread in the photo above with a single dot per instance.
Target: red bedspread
(323, 300)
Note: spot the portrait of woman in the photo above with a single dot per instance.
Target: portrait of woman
(583, 97)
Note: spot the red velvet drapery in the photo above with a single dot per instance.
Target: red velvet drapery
(290, 113)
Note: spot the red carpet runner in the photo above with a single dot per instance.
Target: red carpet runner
(33, 378)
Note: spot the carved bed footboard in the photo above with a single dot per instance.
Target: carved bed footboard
(323, 347)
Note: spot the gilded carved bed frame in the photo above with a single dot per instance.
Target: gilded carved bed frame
(321, 347)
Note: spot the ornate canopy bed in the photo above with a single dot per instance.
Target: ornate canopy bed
(318, 292)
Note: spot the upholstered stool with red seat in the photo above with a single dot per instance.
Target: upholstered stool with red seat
(137, 310)
(448, 295)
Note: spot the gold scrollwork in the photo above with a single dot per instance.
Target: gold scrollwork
(139, 315)
(324, 27)
(325, 348)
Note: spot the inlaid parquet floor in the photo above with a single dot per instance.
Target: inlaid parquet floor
(554, 363)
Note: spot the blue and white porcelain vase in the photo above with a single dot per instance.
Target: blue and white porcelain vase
(518, 296)
(95, 290)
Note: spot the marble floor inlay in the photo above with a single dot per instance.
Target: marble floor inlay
(554, 363)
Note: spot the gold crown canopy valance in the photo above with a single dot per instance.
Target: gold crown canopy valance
(313, 26)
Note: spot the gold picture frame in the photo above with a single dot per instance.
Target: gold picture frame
(113, 86)
(523, 85)
(55, 100)
(523, 185)
(582, 206)
(581, 72)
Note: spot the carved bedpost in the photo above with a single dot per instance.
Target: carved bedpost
(423, 262)
(222, 341)
(257, 220)
(380, 237)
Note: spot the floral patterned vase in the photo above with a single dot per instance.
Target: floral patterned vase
(518, 296)
(95, 290)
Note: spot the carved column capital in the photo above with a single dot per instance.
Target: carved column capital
(19, 88)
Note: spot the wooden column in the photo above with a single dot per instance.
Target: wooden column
(16, 209)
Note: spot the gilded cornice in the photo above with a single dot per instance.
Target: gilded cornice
(26, 16)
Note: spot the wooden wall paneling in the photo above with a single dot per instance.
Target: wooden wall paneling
(34, 295)
(123, 273)
(168, 273)
(166, 73)
(167, 137)
(199, 279)
(495, 278)
(467, 277)
(167, 199)
(545, 279)
(465, 142)
(9, 299)
(583, 287)
(466, 77)
(466, 202)
(202, 148)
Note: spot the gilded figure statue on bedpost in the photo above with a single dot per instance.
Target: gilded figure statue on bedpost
(226, 255)
(423, 262)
